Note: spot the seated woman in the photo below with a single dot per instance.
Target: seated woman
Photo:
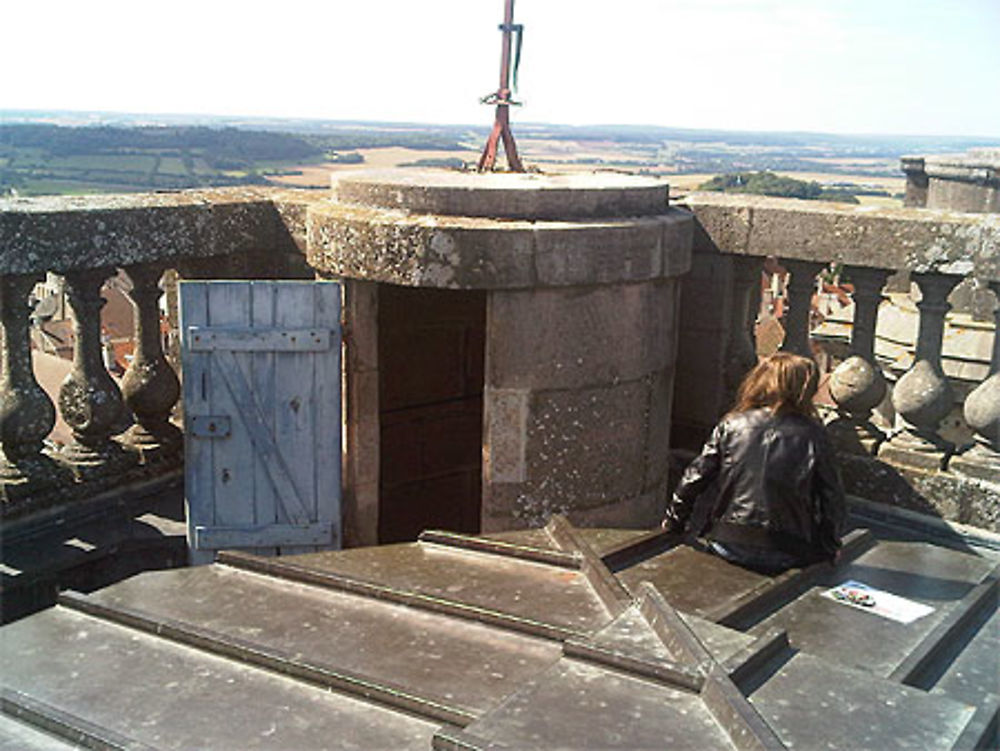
(780, 502)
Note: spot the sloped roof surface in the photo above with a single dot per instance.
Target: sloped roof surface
(555, 638)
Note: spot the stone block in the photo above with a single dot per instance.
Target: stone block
(481, 259)
(724, 227)
(565, 338)
(361, 516)
(506, 419)
(699, 389)
(962, 196)
(361, 317)
(509, 510)
(705, 306)
(477, 253)
(363, 426)
(586, 447)
(657, 447)
(503, 509)
(586, 254)
(641, 512)
(677, 239)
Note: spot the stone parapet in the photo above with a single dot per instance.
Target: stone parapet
(69, 233)
(463, 231)
(587, 336)
(916, 466)
(422, 250)
(948, 495)
(944, 242)
(967, 182)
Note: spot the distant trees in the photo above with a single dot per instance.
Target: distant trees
(770, 184)
(445, 162)
(221, 148)
(418, 140)
(348, 157)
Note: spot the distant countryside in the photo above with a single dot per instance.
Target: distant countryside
(47, 154)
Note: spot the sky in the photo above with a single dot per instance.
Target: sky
(922, 67)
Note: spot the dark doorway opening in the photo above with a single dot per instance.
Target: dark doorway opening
(431, 354)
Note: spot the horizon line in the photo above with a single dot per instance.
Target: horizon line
(486, 126)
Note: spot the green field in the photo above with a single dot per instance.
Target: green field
(106, 162)
(45, 159)
(172, 165)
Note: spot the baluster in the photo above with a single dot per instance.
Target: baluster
(982, 413)
(89, 399)
(27, 415)
(923, 396)
(742, 352)
(150, 387)
(857, 385)
(800, 291)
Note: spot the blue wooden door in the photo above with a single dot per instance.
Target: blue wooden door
(261, 373)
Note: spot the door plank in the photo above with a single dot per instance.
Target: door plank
(328, 410)
(262, 298)
(229, 306)
(268, 338)
(265, 448)
(199, 491)
(295, 395)
(264, 536)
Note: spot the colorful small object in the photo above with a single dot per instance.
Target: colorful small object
(854, 597)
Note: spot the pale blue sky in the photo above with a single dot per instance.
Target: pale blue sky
(847, 66)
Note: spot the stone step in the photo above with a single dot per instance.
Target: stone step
(448, 668)
(809, 698)
(581, 705)
(19, 736)
(854, 637)
(546, 600)
(169, 696)
(532, 643)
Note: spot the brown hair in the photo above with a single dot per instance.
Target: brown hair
(782, 382)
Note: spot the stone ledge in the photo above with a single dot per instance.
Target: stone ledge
(70, 233)
(919, 240)
(941, 494)
(86, 544)
(21, 505)
(390, 245)
(505, 195)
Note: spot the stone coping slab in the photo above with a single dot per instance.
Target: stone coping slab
(920, 240)
(71, 233)
(978, 165)
(464, 252)
(504, 195)
(105, 231)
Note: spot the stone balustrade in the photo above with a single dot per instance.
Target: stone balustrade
(915, 465)
(125, 430)
(120, 431)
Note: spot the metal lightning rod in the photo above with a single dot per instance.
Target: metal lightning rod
(501, 98)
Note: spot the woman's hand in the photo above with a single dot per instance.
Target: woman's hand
(668, 525)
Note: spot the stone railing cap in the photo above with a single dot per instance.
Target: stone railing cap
(504, 195)
(916, 239)
(976, 165)
(67, 233)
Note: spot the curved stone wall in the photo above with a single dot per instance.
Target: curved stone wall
(581, 321)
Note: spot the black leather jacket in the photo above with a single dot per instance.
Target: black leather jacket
(778, 488)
